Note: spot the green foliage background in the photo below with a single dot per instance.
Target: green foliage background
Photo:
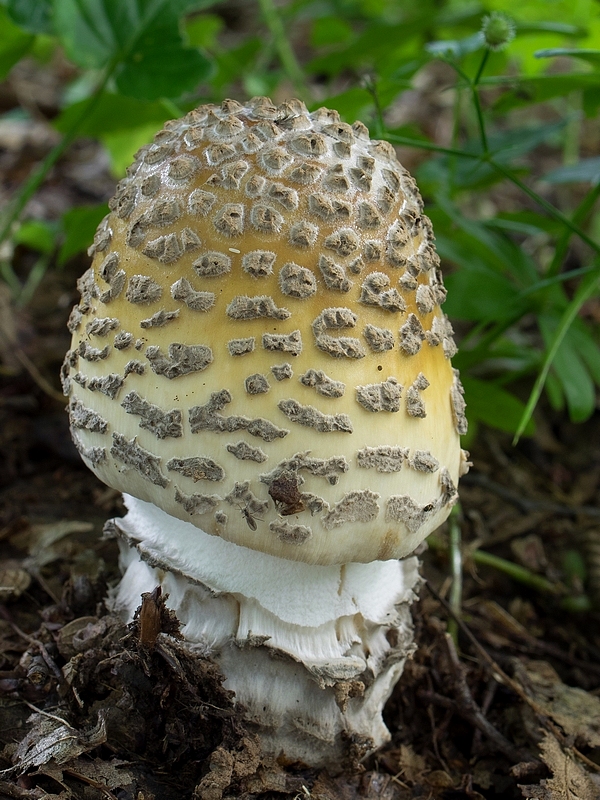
(519, 272)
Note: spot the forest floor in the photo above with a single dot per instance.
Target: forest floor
(506, 705)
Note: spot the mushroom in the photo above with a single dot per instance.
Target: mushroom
(260, 363)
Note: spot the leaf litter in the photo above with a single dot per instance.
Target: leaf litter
(569, 781)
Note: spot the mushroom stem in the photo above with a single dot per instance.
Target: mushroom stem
(312, 652)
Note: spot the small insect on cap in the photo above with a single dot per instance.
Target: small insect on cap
(259, 347)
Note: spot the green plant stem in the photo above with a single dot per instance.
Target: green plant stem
(584, 292)
(505, 322)
(510, 175)
(371, 87)
(34, 279)
(514, 571)
(548, 207)
(552, 210)
(486, 156)
(453, 159)
(477, 102)
(474, 356)
(456, 569)
(472, 84)
(517, 572)
(39, 174)
(10, 277)
(564, 276)
(424, 145)
(172, 107)
(578, 217)
(286, 54)
(476, 80)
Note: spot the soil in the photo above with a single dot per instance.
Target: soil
(501, 699)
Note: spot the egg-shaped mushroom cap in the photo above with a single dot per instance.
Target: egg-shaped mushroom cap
(259, 348)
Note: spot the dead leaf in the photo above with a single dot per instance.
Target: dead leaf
(500, 618)
(43, 541)
(109, 773)
(97, 773)
(570, 781)
(529, 550)
(53, 738)
(411, 766)
(14, 580)
(575, 710)
(440, 779)
(73, 634)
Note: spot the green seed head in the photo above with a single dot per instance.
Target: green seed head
(498, 30)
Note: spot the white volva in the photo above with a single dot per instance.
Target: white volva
(311, 651)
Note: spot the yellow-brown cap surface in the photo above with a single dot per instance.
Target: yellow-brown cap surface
(259, 348)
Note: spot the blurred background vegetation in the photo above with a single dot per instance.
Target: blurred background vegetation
(492, 105)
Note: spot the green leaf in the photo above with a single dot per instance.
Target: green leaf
(499, 355)
(112, 113)
(450, 15)
(354, 103)
(556, 335)
(554, 391)
(575, 380)
(529, 223)
(379, 46)
(527, 91)
(202, 31)
(455, 172)
(236, 61)
(494, 249)
(520, 141)
(476, 294)
(79, 225)
(330, 30)
(160, 67)
(141, 36)
(14, 43)
(587, 347)
(37, 235)
(94, 33)
(574, 567)
(122, 145)
(562, 28)
(577, 384)
(591, 101)
(585, 171)
(591, 56)
(34, 16)
(493, 405)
